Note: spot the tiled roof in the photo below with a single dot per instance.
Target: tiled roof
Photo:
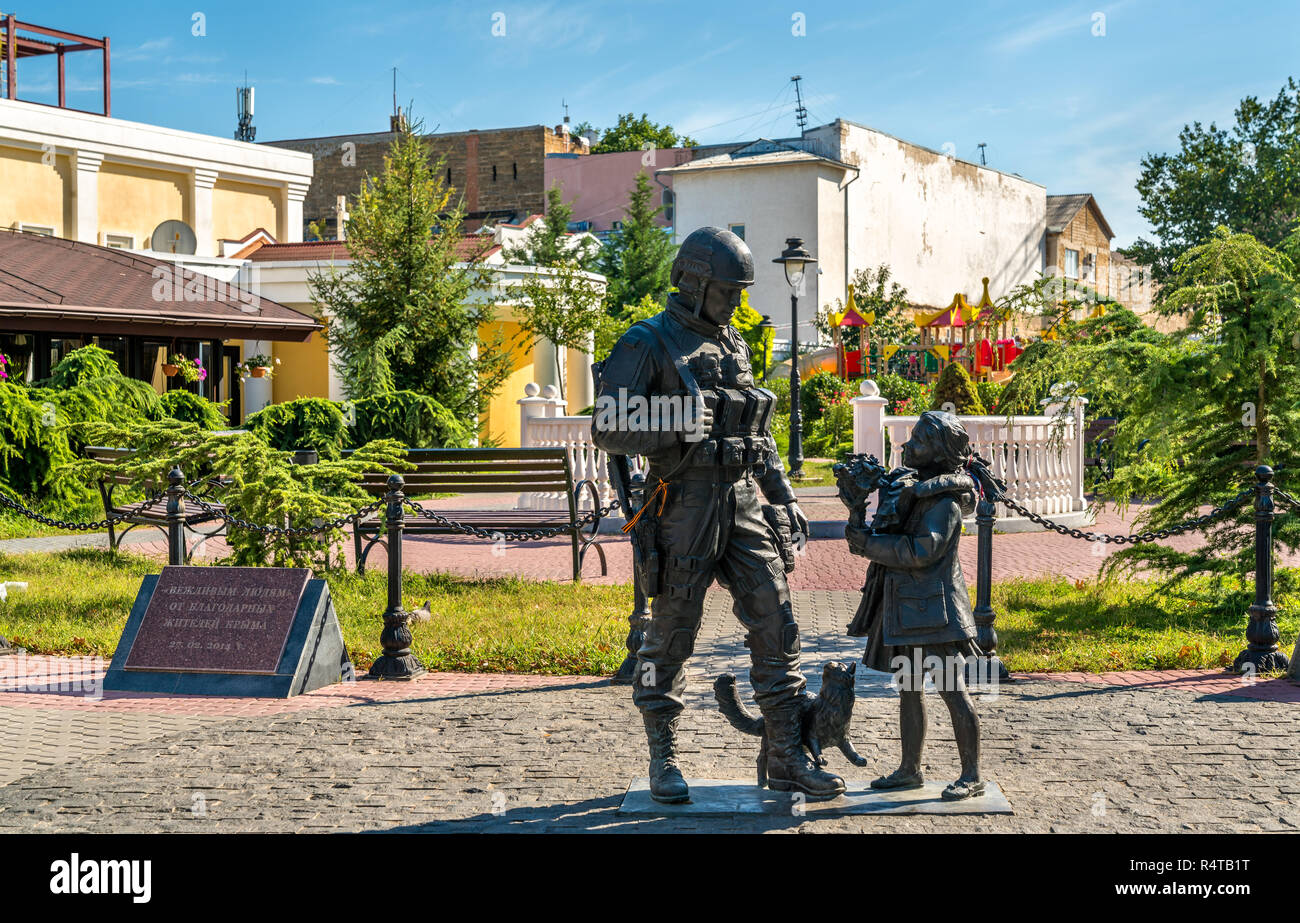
(51, 284)
(470, 247)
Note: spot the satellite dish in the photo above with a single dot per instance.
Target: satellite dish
(173, 237)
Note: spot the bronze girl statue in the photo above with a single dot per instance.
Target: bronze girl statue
(915, 612)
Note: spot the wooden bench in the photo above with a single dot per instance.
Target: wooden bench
(462, 471)
(141, 514)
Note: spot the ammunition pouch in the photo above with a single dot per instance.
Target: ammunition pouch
(779, 520)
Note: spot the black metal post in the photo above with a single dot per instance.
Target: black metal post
(175, 516)
(796, 405)
(1261, 654)
(986, 635)
(397, 661)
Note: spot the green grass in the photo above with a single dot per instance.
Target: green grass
(77, 603)
(1055, 625)
(816, 474)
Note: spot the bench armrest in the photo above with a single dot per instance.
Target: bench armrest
(595, 502)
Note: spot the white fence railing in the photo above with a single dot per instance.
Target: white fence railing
(542, 425)
(1039, 457)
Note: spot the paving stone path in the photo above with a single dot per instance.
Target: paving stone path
(469, 752)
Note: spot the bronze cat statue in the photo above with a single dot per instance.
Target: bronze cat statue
(824, 718)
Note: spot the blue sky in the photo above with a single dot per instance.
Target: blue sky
(1054, 102)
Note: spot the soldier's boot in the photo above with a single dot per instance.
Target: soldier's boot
(666, 783)
(788, 767)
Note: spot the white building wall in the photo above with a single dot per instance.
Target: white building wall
(940, 223)
(773, 203)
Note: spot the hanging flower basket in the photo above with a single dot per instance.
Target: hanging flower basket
(259, 371)
(170, 370)
(259, 366)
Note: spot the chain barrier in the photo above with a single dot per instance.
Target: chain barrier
(1287, 499)
(230, 520)
(1136, 538)
(112, 520)
(510, 535)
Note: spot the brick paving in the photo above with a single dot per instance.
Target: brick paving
(1167, 751)
(827, 563)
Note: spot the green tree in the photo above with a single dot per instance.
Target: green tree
(406, 313)
(1246, 177)
(638, 259)
(1220, 401)
(564, 306)
(874, 291)
(955, 387)
(633, 134)
(548, 242)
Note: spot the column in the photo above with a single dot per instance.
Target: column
(869, 422)
(201, 183)
(85, 196)
(290, 231)
(257, 391)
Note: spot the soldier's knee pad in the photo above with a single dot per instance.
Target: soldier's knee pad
(761, 594)
(670, 638)
(775, 638)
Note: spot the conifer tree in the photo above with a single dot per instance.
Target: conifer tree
(638, 259)
(407, 311)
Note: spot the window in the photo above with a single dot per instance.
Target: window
(668, 203)
(1071, 264)
(36, 229)
(514, 168)
(449, 175)
(494, 173)
(1090, 267)
(119, 241)
(617, 225)
(737, 229)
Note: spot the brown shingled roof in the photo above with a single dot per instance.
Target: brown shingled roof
(48, 284)
(470, 247)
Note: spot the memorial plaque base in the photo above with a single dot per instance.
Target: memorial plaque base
(733, 796)
(314, 655)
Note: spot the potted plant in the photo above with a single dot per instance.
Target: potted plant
(189, 370)
(259, 366)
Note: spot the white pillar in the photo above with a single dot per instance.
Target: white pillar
(1080, 403)
(869, 422)
(201, 183)
(530, 406)
(85, 195)
(257, 391)
(291, 215)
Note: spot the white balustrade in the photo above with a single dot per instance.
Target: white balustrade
(542, 427)
(1039, 457)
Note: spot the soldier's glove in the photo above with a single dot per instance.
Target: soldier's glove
(798, 521)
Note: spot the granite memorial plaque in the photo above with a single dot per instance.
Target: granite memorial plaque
(258, 631)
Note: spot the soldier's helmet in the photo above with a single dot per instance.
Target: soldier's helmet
(711, 255)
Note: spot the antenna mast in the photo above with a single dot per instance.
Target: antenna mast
(983, 161)
(244, 130)
(800, 113)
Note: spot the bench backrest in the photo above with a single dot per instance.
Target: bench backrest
(109, 455)
(460, 471)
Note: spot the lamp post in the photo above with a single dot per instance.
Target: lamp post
(795, 259)
(769, 334)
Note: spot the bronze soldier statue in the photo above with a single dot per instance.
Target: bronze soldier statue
(701, 515)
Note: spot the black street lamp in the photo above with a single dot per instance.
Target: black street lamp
(794, 258)
(769, 334)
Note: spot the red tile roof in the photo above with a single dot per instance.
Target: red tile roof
(56, 285)
(469, 247)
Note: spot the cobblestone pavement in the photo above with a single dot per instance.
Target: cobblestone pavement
(1162, 752)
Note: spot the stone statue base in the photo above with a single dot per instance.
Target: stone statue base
(733, 796)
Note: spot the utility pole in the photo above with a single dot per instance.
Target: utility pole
(800, 113)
